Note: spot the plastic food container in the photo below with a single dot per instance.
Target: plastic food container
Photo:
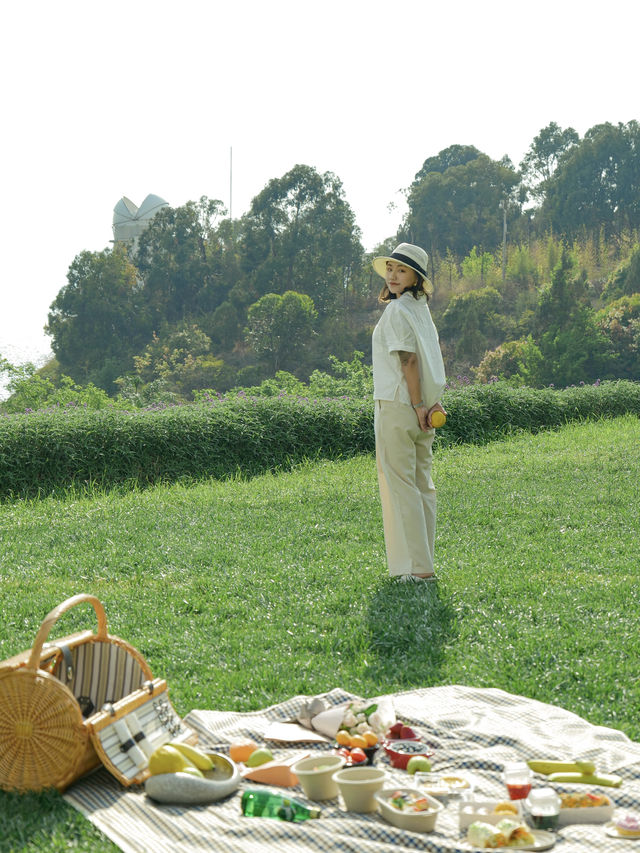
(316, 773)
(586, 814)
(485, 810)
(358, 787)
(543, 806)
(441, 785)
(518, 778)
(423, 821)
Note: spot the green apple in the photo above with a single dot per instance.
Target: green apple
(418, 763)
(259, 756)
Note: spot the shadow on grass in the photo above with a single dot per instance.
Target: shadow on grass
(410, 626)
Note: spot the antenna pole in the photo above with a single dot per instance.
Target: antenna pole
(231, 182)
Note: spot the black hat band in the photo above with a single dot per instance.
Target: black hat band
(405, 259)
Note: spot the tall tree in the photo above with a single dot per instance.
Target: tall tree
(462, 206)
(543, 156)
(98, 319)
(597, 184)
(300, 234)
(180, 260)
(279, 327)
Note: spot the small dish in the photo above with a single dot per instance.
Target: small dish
(414, 821)
(316, 773)
(400, 751)
(358, 787)
(612, 831)
(440, 784)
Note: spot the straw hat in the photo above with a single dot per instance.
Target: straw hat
(410, 256)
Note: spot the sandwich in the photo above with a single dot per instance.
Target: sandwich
(517, 834)
(506, 833)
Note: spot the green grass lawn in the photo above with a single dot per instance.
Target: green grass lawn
(244, 593)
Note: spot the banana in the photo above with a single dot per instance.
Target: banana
(195, 756)
(547, 767)
(608, 780)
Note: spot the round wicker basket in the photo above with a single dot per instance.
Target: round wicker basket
(42, 736)
(44, 740)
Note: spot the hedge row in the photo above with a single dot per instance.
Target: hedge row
(47, 451)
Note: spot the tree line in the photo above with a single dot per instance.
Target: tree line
(536, 272)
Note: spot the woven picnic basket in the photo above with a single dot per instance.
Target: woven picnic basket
(86, 699)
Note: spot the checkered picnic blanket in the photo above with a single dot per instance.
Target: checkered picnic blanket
(472, 730)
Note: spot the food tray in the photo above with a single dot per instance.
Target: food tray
(472, 810)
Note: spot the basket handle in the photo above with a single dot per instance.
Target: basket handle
(51, 618)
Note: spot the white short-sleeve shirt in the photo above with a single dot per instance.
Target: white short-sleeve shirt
(406, 324)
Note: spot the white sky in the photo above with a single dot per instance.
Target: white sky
(132, 97)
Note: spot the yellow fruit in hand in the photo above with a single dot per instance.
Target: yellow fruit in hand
(196, 756)
(259, 756)
(168, 759)
(438, 418)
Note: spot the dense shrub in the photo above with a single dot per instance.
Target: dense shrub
(46, 451)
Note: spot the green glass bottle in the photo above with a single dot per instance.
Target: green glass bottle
(257, 803)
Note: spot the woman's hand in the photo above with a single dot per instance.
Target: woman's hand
(436, 408)
(422, 414)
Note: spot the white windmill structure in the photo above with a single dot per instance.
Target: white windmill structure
(130, 221)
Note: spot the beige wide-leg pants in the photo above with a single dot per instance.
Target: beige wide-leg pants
(404, 460)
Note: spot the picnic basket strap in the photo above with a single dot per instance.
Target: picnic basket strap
(52, 617)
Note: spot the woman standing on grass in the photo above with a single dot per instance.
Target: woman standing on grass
(408, 380)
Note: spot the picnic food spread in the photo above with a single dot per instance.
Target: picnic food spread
(356, 782)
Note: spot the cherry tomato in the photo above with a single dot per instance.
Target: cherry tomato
(358, 755)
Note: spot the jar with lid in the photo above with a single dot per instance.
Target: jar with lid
(543, 807)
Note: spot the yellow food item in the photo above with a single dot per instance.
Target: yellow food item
(371, 738)
(242, 749)
(196, 756)
(505, 808)
(343, 737)
(438, 419)
(606, 780)
(167, 759)
(548, 767)
(358, 740)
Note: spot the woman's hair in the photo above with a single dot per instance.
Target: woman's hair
(416, 290)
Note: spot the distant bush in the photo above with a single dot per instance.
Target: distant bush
(46, 451)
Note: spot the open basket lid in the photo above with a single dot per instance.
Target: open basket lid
(125, 733)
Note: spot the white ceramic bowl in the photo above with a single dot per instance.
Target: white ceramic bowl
(184, 789)
(413, 821)
(316, 775)
(358, 787)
